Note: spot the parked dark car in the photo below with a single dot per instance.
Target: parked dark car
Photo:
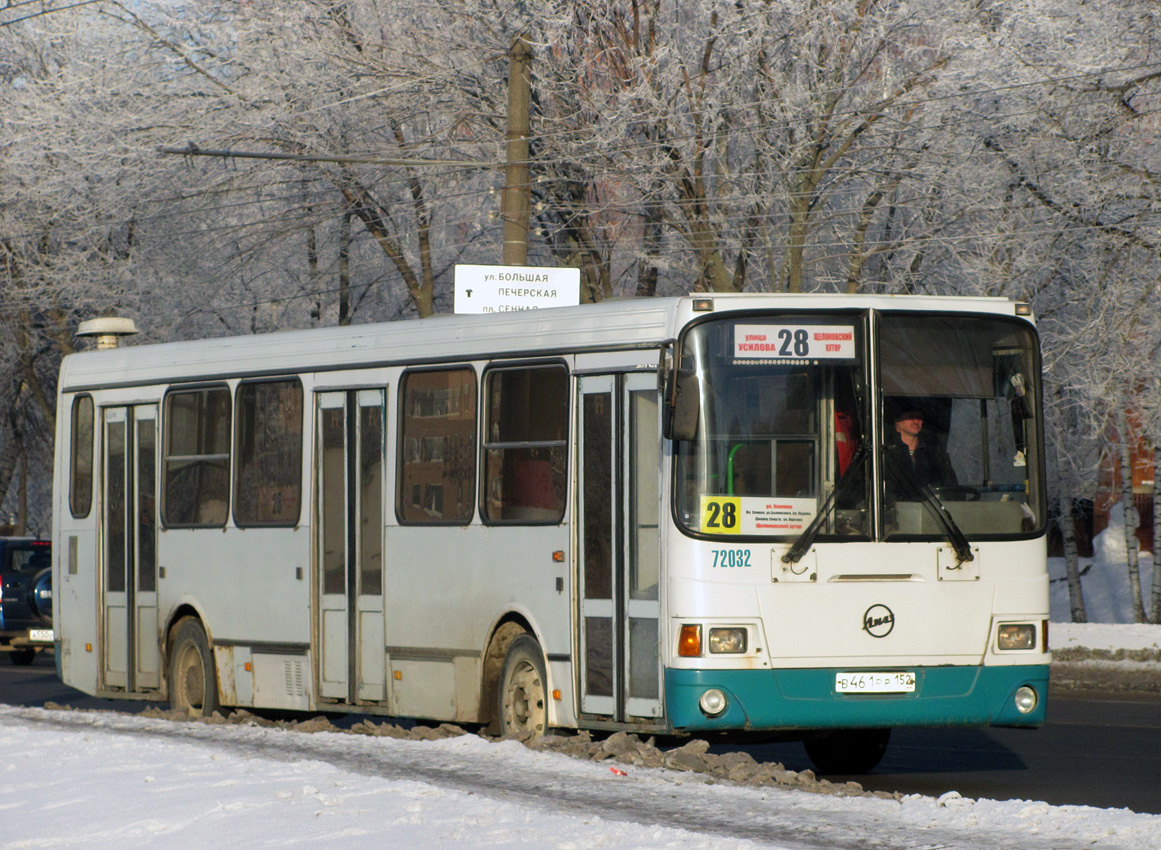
(25, 597)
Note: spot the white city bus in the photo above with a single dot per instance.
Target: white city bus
(669, 516)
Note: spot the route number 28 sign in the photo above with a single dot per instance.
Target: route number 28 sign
(794, 342)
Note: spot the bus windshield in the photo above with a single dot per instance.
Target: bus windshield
(960, 411)
(788, 436)
(782, 410)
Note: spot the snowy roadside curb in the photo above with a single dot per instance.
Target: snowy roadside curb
(1108, 657)
(1129, 637)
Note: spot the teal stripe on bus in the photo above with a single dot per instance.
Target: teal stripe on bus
(790, 699)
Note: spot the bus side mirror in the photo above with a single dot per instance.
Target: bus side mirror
(683, 402)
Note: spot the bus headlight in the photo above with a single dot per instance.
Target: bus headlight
(1026, 699)
(713, 703)
(1017, 636)
(727, 640)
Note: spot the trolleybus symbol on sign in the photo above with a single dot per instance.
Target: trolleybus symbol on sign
(878, 621)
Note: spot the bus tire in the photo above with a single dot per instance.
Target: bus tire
(23, 656)
(193, 681)
(848, 751)
(523, 697)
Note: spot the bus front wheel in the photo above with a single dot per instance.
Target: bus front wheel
(523, 708)
(848, 751)
(193, 682)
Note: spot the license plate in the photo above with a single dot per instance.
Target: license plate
(40, 635)
(874, 683)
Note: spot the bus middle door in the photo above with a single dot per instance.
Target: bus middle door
(351, 658)
(619, 544)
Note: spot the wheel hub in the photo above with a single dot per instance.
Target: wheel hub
(525, 701)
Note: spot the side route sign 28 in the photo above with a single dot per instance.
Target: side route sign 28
(505, 289)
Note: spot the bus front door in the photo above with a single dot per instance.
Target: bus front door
(349, 627)
(131, 658)
(619, 545)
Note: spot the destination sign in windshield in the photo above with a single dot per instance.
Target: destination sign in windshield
(794, 342)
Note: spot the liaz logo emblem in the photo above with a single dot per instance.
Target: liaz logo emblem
(878, 620)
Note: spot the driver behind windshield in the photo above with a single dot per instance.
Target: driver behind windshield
(914, 459)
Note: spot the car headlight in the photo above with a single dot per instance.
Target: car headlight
(1016, 636)
(727, 640)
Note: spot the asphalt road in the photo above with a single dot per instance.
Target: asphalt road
(1093, 751)
(1101, 750)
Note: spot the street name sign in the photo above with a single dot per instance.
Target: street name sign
(504, 289)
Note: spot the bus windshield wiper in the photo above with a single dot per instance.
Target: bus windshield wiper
(806, 539)
(956, 537)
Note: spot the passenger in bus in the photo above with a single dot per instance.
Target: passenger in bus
(914, 460)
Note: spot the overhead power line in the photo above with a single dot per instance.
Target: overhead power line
(193, 150)
(42, 10)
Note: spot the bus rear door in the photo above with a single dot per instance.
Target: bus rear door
(130, 657)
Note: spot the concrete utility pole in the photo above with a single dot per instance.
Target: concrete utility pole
(516, 200)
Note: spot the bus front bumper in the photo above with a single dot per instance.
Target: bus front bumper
(790, 699)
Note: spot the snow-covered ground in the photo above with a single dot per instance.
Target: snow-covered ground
(107, 780)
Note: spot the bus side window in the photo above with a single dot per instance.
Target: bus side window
(437, 467)
(196, 467)
(81, 457)
(525, 448)
(268, 471)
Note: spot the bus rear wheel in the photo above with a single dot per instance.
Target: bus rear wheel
(23, 656)
(193, 682)
(848, 751)
(523, 708)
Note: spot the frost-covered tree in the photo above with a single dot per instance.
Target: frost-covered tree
(738, 145)
(1071, 127)
(61, 253)
(1002, 148)
(308, 82)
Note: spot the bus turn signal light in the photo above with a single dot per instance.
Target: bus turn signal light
(689, 641)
